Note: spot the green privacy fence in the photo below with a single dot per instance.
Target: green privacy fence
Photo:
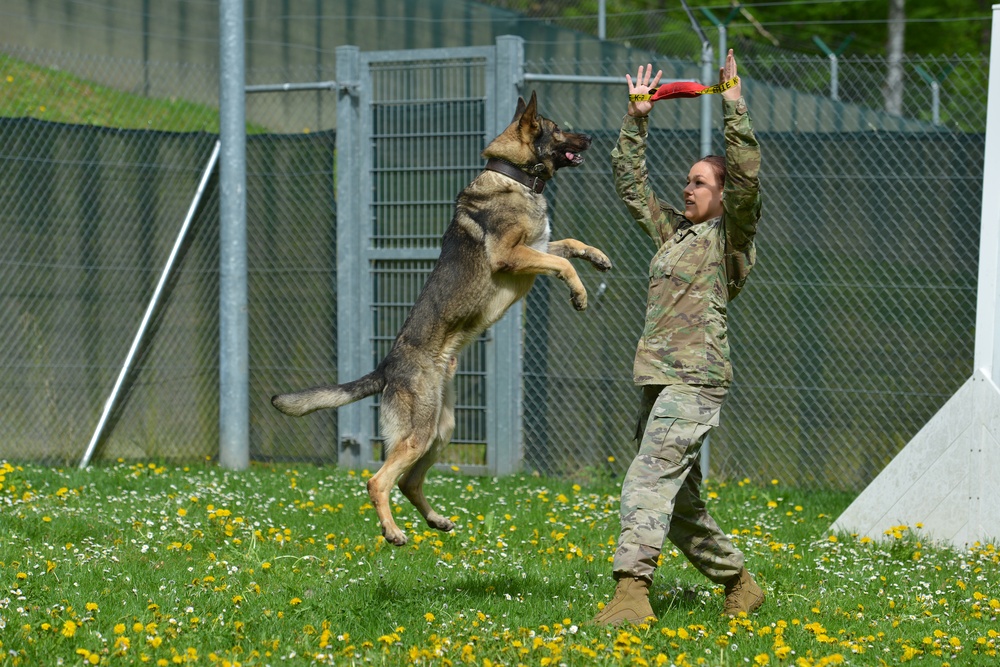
(855, 327)
(88, 216)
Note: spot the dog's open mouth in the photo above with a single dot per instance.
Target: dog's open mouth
(573, 158)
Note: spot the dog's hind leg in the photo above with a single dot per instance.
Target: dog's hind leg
(409, 426)
(402, 457)
(412, 484)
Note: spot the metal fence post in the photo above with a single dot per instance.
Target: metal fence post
(707, 78)
(234, 365)
(935, 84)
(354, 439)
(722, 25)
(833, 56)
(503, 357)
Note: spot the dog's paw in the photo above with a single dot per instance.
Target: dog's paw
(394, 536)
(438, 522)
(600, 261)
(579, 300)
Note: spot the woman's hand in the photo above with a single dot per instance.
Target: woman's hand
(641, 86)
(727, 72)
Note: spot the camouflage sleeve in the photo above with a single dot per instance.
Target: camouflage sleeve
(741, 198)
(628, 163)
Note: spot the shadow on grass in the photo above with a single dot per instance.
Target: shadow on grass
(672, 598)
(499, 584)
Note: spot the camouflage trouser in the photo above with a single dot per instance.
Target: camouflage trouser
(661, 496)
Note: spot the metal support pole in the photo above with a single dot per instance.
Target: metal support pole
(709, 77)
(935, 84)
(723, 46)
(154, 302)
(834, 78)
(602, 19)
(834, 55)
(504, 364)
(354, 328)
(234, 367)
(721, 25)
(936, 103)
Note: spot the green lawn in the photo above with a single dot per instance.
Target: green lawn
(28, 90)
(143, 563)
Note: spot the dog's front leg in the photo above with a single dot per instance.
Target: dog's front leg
(570, 248)
(524, 259)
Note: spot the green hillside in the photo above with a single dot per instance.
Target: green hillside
(28, 90)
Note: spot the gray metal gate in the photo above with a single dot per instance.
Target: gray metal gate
(410, 128)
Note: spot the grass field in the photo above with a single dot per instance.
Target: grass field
(157, 564)
(29, 90)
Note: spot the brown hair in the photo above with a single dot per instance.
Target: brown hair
(718, 165)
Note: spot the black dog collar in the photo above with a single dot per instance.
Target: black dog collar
(507, 169)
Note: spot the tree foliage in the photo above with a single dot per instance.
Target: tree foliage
(934, 27)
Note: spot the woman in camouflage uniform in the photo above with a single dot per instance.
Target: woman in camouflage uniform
(705, 252)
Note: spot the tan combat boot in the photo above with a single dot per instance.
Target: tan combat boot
(630, 603)
(742, 594)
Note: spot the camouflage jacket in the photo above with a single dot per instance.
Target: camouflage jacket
(698, 268)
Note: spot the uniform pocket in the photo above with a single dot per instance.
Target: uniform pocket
(661, 440)
(697, 404)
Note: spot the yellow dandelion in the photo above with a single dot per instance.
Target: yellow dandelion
(69, 629)
(429, 617)
(295, 601)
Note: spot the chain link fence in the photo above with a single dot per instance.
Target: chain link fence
(856, 325)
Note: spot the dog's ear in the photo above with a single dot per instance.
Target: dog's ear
(519, 111)
(529, 117)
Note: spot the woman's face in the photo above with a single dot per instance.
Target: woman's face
(703, 194)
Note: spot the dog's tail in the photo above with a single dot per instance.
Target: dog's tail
(309, 400)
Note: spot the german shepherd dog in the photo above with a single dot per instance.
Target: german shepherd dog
(496, 244)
